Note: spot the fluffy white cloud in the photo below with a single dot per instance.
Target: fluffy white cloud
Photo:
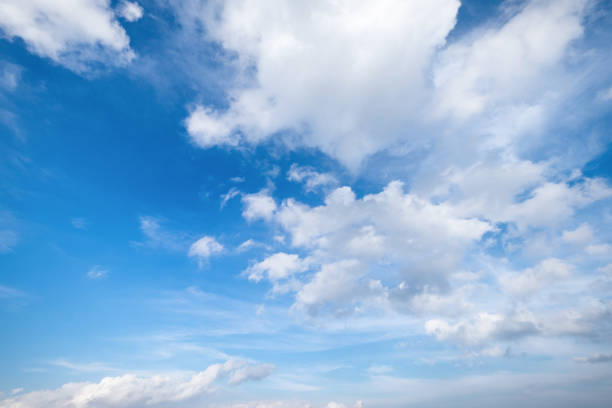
(349, 239)
(347, 75)
(204, 248)
(131, 391)
(277, 267)
(76, 33)
(258, 206)
(337, 78)
(507, 64)
(130, 11)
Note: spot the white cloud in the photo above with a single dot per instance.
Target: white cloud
(331, 71)
(331, 76)
(311, 178)
(204, 248)
(233, 192)
(75, 33)
(277, 267)
(506, 64)
(97, 272)
(348, 239)
(258, 206)
(337, 285)
(599, 250)
(131, 391)
(546, 273)
(484, 327)
(580, 236)
(130, 11)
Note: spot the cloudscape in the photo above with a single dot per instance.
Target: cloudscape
(305, 204)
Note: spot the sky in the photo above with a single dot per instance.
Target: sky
(323, 204)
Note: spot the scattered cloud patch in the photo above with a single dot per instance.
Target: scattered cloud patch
(130, 11)
(258, 206)
(80, 35)
(311, 178)
(131, 391)
(97, 272)
(204, 248)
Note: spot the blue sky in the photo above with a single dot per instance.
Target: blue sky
(347, 204)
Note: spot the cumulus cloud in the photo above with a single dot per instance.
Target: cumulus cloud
(355, 109)
(131, 391)
(204, 248)
(258, 206)
(334, 77)
(79, 34)
(276, 267)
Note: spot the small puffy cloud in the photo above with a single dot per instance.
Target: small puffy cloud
(277, 267)
(311, 178)
(204, 248)
(530, 280)
(207, 130)
(130, 11)
(258, 206)
(131, 391)
(79, 34)
(97, 272)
